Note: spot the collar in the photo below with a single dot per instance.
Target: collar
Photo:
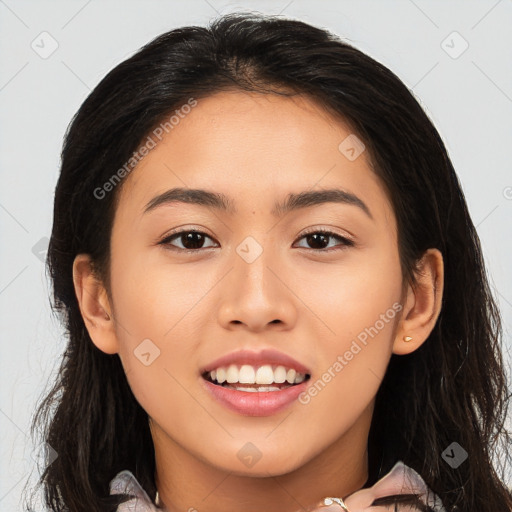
(400, 480)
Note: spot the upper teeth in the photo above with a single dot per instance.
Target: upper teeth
(247, 374)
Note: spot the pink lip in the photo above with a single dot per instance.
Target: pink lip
(263, 403)
(265, 356)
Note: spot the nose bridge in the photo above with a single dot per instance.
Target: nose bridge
(254, 294)
(253, 261)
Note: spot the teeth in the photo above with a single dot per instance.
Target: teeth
(221, 375)
(265, 375)
(247, 374)
(279, 374)
(260, 389)
(232, 374)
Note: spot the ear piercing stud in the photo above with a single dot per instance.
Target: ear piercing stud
(407, 338)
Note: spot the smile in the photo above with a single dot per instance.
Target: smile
(255, 378)
(255, 391)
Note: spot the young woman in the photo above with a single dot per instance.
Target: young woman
(274, 293)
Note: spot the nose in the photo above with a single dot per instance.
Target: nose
(257, 295)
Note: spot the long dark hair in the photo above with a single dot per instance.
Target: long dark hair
(452, 389)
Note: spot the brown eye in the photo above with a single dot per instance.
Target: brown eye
(319, 240)
(190, 240)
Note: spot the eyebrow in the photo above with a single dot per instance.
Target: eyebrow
(223, 203)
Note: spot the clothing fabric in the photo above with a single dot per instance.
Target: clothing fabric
(400, 480)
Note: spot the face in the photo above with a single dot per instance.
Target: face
(255, 277)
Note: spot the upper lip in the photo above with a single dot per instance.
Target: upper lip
(259, 358)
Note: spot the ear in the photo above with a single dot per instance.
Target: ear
(422, 304)
(94, 305)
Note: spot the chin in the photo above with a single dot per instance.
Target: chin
(275, 463)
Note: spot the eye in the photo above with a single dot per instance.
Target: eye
(320, 239)
(191, 240)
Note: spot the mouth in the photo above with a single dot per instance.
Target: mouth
(252, 383)
(261, 397)
(259, 380)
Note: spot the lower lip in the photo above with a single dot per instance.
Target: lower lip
(248, 403)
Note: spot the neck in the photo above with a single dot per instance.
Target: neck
(188, 483)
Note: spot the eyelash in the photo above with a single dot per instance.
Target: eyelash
(345, 241)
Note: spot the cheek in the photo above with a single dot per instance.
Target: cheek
(358, 308)
(158, 312)
(352, 294)
(156, 300)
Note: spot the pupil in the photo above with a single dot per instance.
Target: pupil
(315, 237)
(193, 238)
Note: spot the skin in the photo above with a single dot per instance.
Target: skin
(256, 149)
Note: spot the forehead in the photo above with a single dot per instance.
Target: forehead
(264, 145)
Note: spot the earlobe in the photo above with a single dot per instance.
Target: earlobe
(94, 305)
(422, 304)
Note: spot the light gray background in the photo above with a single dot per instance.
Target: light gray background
(468, 97)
